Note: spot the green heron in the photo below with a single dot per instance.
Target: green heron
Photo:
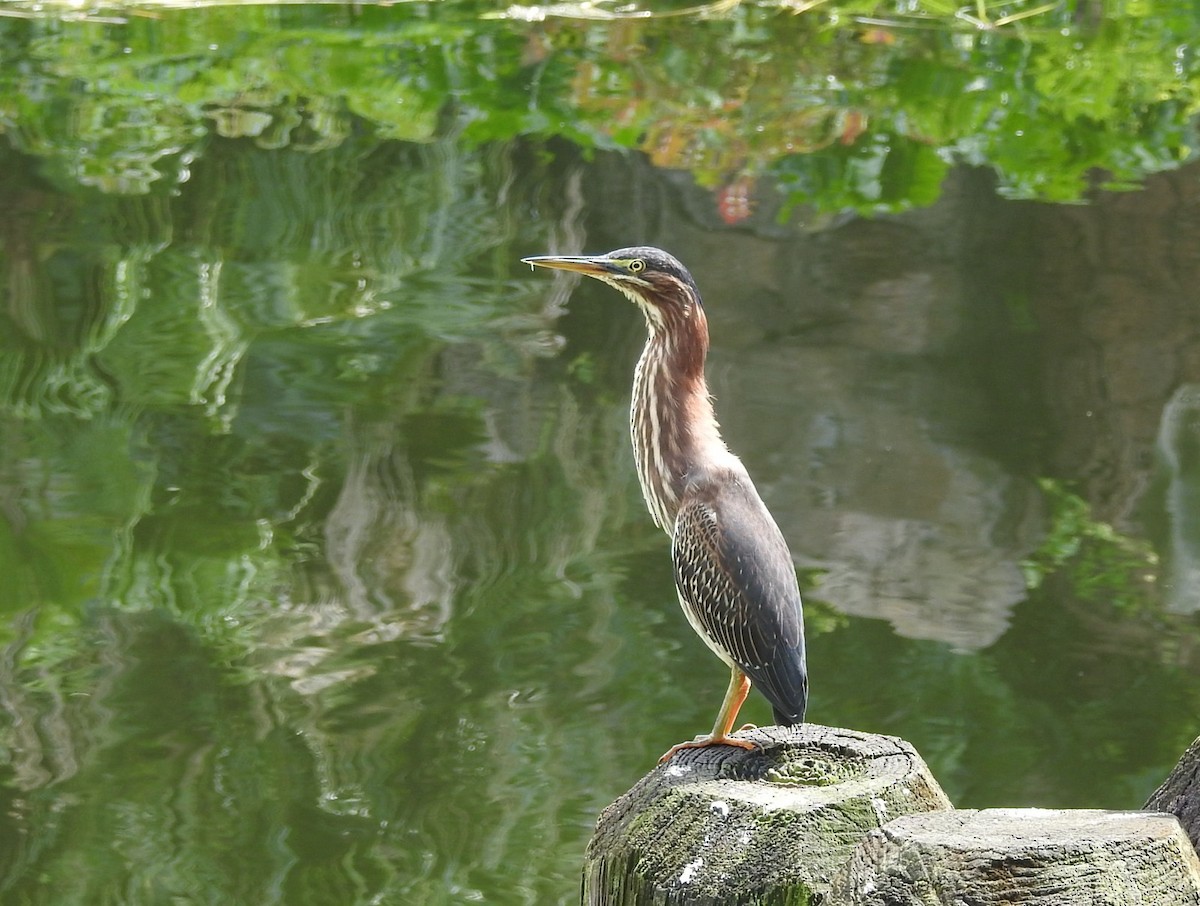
(733, 571)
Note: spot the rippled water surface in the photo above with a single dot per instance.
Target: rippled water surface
(327, 575)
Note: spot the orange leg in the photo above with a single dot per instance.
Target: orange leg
(739, 688)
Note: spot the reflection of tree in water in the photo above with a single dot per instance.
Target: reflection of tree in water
(1119, 348)
(1178, 451)
(1120, 330)
(297, 531)
(851, 107)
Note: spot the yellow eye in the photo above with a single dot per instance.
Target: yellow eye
(636, 266)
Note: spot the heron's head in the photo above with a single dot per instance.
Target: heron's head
(656, 281)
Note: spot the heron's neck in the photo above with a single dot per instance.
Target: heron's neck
(674, 429)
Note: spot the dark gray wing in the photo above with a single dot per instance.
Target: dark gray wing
(736, 577)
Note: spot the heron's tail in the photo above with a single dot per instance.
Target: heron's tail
(786, 719)
(785, 685)
(790, 701)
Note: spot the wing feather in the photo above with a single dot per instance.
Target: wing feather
(737, 584)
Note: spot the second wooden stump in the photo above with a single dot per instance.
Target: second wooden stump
(1036, 857)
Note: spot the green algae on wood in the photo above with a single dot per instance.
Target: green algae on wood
(768, 826)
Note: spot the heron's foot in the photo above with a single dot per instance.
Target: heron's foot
(747, 727)
(701, 742)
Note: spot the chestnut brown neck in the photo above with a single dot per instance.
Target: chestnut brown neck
(674, 429)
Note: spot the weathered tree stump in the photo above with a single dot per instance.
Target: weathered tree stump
(1035, 857)
(1180, 793)
(723, 825)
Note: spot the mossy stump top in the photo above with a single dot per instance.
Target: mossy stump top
(723, 825)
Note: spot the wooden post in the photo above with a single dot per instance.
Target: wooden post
(723, 825)
(1180, 793)
(1034, 857)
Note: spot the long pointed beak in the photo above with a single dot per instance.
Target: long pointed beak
(580, 264)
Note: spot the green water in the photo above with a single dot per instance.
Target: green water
(327, 579)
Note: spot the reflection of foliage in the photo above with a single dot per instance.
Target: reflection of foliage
(263, 445)
(855, 103)
(1099, 562)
